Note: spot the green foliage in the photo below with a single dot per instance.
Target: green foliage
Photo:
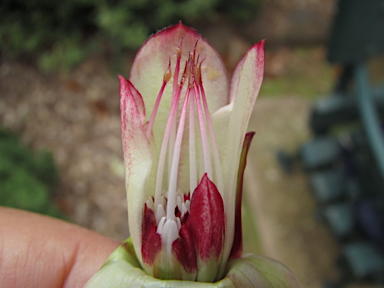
(241, 10)
(27, 179)
(61, 33)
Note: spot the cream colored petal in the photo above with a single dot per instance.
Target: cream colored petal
(220, 123)
(246, 83)
(152, 61)
(137, 160)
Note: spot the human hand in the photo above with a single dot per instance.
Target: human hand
(39, 251)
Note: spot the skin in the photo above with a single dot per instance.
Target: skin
(39, 251)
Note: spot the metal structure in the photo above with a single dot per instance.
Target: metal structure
(345, 159)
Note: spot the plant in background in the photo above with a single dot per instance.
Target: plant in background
(27, 179)
(60, 34)
(185, 146)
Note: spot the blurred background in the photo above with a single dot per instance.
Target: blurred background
(60, 143)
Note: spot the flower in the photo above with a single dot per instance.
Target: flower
(182, 213)
(185, 145)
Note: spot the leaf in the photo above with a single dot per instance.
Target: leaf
(251, 271)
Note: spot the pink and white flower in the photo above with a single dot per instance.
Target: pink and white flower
(183, 129)
(185, 145)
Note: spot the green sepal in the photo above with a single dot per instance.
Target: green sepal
(125, 252)
(122, 270)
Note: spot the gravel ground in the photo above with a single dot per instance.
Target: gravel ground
(77, 118)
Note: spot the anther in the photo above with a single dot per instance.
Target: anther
(191, 78)
(185, 74)
(197, 73)
(168, 73)
(179, 51)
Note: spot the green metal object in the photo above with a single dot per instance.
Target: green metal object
(358, 31)
(319, 152)
(357, 35)
(341, 108)
(347, 169)
(327, 185)
(364, 260)
(340, 218)
(369, 116)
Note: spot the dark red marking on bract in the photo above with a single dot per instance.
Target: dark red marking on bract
(150, 241)
(184, 250)
(206, 223)
(237, 246)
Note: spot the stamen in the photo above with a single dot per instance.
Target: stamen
(203, 135)
(197, 72)
(163, 152)
(179, 202)
(166, 77)
(192, 146)
(215, 151)
(163, 201)
(175, 90)
(201, 171)
(191, 78)
(194, 50)
(177, 68)
(171, 205)
(169, 234)
(160, 213)
(160, 226)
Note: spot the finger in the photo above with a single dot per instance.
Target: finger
(39, 251)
